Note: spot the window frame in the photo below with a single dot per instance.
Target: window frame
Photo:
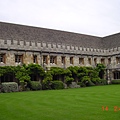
(18, 58)
(81, 61)
(2, 58)
(53, 59)
(71, 60)
(45, 59)
(63, 60)
(35, 60)
(89, 61)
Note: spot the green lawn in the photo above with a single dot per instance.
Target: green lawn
(69, 104)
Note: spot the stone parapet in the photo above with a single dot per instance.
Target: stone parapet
(55, 47)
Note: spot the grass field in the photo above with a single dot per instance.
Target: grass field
(67, 104)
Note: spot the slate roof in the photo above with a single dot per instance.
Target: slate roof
(111, 41)
(29, 33)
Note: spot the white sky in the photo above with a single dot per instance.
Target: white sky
(92, 17)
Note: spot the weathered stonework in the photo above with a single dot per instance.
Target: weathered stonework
(27, 58)
(29, 45)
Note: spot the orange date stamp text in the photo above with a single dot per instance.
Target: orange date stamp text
(115, 108)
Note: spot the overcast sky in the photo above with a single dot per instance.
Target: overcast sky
(92, 17)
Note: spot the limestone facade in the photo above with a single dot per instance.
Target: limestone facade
(44, 47)
(57, 55)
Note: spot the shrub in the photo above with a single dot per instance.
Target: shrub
(90, 83)
(68, 80)
(46, 85)
(115, 81)
(35, 85)
(0, 87)
(9, 87)
(104, 82)
(85, 79)
(21, 86)
(96, 80)
(57, 85)
(81, 84)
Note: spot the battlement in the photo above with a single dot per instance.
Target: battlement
(55, 47)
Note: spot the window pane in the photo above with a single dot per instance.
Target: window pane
(81, 60)
(63, 60)
(18, 58)
(71, 60)
(2, 58)
(34, 58)
(45, 59)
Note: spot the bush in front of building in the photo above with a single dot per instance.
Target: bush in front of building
(115, 81)
(0, 87)
(35, 85)
(104, 82)
(81, 84)
(9, 87)
(57, 85)
(87, 76)
(68, 80)
(90, 83)
(46, 83)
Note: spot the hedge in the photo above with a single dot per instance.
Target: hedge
(104, 82)
(9, 87)
(90, 83)
(81, 84)
(115, 81)
(35, 85)
(57, 85)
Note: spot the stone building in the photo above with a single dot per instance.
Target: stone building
(25, 44)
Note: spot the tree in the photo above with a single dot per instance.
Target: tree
(101, 69)
(74, 72)
(57, 73)
(85, 79)
(35, 70)
(2, 71)
(8, 73)
(22, 75)
(68, 76)
(46, 83)
(82, 71)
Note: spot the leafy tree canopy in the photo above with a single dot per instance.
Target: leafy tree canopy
(35, 69)
(57, 71)
(74, 69)
(100, 67)
(22, 75)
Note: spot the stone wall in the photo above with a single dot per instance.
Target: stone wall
(27, 49)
